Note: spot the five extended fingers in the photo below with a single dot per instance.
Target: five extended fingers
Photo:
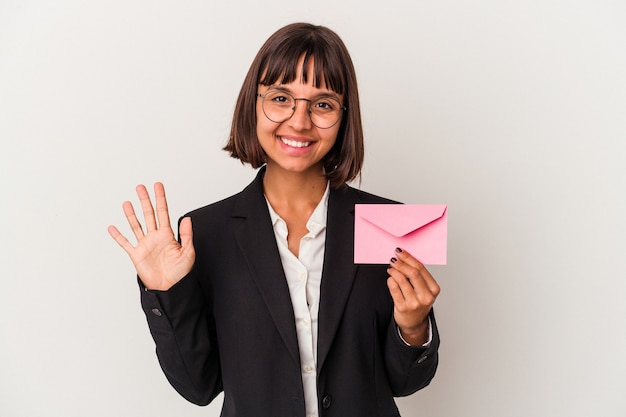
(152, 222)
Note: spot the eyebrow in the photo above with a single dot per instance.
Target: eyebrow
(321, 95)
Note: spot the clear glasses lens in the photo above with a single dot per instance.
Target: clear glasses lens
(279, 106)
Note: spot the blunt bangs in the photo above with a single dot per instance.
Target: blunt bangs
(280, 64)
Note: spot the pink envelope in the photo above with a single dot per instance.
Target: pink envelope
(421, 229)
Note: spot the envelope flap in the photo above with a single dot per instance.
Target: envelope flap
(400, 219)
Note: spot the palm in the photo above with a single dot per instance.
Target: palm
(159, 259)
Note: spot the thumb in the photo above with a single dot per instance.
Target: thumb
(185, 232)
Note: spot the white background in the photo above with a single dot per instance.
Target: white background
(512, 112)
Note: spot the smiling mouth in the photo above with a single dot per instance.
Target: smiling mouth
(294, 143)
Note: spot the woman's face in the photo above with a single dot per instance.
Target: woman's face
(296, 145)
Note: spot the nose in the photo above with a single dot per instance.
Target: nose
(301, 117)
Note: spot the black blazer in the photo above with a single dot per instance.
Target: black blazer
(229, 325)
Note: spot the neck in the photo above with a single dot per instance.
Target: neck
(294, 189)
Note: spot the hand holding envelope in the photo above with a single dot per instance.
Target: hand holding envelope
(421, 229)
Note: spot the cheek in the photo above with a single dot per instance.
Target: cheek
(259, 113)
(331, 137)
(263, 126)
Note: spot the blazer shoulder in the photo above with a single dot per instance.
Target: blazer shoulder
(214, 209)
(235, 205)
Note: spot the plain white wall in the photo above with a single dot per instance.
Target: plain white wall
(512, 112)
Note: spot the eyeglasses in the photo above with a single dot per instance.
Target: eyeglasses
(279, 106)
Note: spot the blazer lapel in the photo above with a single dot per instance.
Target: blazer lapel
(339, 270)
(256, 240)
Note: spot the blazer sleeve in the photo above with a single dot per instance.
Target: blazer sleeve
(410, 368)
(185, 339)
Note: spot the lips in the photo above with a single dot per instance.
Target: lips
(294, 143)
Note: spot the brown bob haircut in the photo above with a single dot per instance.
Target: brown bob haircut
(276, 62)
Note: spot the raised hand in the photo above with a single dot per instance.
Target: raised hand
(414, 291)
(159, 259)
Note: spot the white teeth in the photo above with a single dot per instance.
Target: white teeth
(294, 144)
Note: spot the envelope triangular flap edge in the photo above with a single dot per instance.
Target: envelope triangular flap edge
(400, 219)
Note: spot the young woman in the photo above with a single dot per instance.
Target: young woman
(260, 298)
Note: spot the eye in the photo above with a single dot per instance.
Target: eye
(324, 105)
(279, 98)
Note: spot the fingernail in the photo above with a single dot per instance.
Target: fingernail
(398, 250)
(393, 260)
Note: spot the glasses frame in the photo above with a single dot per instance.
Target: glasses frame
(293, 110)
